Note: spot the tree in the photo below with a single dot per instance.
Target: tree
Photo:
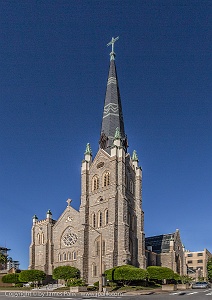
(31, 276)
(160, 273)
(186, 279)
(11, 278)
(125, 274)
(65, 272)
(209, 269)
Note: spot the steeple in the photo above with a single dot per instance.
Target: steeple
(112, 115)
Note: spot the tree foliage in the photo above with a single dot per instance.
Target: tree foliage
(11, 278)
(65, 272)
(209, 269)
(125, 274)
(31, 275)
(160, 273)
(75, 282)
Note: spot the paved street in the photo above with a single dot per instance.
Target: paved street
(189, 294)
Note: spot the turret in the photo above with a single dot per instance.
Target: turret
(49, 215)
(88, 153)
(34, 219)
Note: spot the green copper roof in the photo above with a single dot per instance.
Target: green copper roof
(117, 134)
(49, 212)
(88, 149)
(134, 156)
(35, 217)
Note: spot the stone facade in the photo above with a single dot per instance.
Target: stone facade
(110, 208)
(167, 251)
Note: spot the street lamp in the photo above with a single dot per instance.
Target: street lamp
(100, 255)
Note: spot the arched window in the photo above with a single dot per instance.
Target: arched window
(74, 255)
(131, 247)
(97, 248)
(106, 216)
(94, 270)
(129, 219)
(99, 219)
(59, 257)
(69, 256)
(39, 238)
(133, 223)
(42, 238)
(103, 248)
(106, 179)
(94, 220)
(131, 187)
(95, 183)
(64, 256)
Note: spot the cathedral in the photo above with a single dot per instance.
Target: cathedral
(108, 228)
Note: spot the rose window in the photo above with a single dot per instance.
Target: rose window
(69, 239)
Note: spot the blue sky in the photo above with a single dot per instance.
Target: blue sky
(53, 73)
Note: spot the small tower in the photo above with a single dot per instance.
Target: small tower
(49, 215)
(34, 219)
(88, 153)
(135, 159)
(117, 138)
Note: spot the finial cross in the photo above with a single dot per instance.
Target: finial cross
(112, 42)
(69, 202)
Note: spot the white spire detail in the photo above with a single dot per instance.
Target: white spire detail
(112, 42)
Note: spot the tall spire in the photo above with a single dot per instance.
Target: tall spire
(112, 115)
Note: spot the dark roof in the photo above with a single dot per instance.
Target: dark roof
(4, 248)
(159, 243)
(112, 115)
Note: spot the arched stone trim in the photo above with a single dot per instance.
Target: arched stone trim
(106, 179)
(106, 216)
(100, 223)
(93, 220)
(74, 255)
(131, 187)
(42, 238)
(97, 246)
(133, 223)
(59, 257)
(103, 248)
(39, 238)
(94, 270)
(95, 183)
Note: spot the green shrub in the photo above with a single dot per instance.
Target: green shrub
(31, 276)
(91, 288)
(160, 273)
(177, 277)
(186, 279)
(20, 284)
(65, 272)
(96, 284)
(11, 278)
(125, 274)
(75, 282)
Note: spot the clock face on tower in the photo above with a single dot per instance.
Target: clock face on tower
(69, 239)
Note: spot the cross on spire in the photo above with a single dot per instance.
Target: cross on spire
(112, 42)
(69, 202)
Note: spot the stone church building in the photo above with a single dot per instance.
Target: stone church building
(110, 219)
